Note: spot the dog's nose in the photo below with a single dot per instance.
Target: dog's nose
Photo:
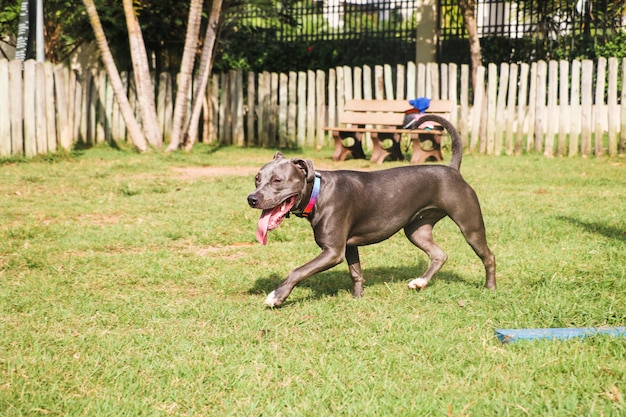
(253, 200)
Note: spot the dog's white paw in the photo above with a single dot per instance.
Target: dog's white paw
(271, 299)
(418, 283)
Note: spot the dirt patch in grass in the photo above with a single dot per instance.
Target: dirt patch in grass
(214, 171)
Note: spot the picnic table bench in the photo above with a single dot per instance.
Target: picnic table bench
(384, 119)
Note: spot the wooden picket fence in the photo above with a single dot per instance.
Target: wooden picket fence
(553, 108)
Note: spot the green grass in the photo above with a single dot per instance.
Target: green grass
(129, 286)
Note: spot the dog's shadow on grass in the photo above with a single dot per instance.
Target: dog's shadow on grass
(617, 233)
(330, 283)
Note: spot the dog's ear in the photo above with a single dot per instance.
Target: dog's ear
(305, 165)
(279, 155)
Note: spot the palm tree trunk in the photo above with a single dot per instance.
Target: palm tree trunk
(141, 69)
(186, 73)
(468, 7)
(205, 71)
(134, 130)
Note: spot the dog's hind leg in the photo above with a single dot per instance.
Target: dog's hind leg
(473, 229)
(420, 233)
(354, 264)
(478, 241)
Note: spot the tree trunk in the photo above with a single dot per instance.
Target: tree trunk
(186, 73)
(143, 82)
(205, 71)
(134, 130)
(468, 7)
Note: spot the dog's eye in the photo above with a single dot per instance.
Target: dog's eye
(277, 180)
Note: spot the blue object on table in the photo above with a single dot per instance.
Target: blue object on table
(513, 335)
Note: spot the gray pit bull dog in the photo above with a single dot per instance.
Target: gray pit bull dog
(348, 209)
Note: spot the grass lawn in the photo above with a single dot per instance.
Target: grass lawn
(132, 285)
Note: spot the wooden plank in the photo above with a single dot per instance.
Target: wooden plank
(262, 108)
(379, 83)
(564, 120)
(85, 90)
(283, 105)
(521, 108)
(213, 91)
(367, 83)
(16, 108)
(332, 98)
(160, 105)
(486, 147)
(108, 109)
(443, 81)
(357, 83)
(100, 105)
(368, 94)
(250, 113)
(51, 105)
(464, 107)
(272, 127)
(540, 108)
(599, 112)
(40, 109)
(60, 79)
(237, 114)
(622, 141)
(514, 335)
(223, 134)
(400, 77)
(453, 91)
(320, 110)
(552, 121)
(377, 105)
(575, 117)
(434, 82)
(292, 108)
(348, 83)
(532, 107)
(73, 105)
(501, 107)
(613, 108)
(398, 106)
(302, 114)
(386, 130)
(411, 80)
(93, 100)
(479, 97)
(421, 80)
(30, 109)
(5, 110)
(310, 109)
(371, 118)
(586, 91)
(510, 109)
(388, 76)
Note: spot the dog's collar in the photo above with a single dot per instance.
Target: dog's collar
(313, 199)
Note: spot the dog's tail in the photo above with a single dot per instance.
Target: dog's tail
(457, 145)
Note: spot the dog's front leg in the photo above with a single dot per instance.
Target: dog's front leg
(325, 260)
(354, 264)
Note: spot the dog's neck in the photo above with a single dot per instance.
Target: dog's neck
(308, 209)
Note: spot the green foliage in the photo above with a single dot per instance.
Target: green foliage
(613, 47)
(249, 49)
(149, 303)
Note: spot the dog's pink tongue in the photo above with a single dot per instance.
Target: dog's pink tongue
(271, 218)
(264, 222)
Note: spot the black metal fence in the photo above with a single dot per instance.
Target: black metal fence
(316, 20)
(319, 34)
(528, 30)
